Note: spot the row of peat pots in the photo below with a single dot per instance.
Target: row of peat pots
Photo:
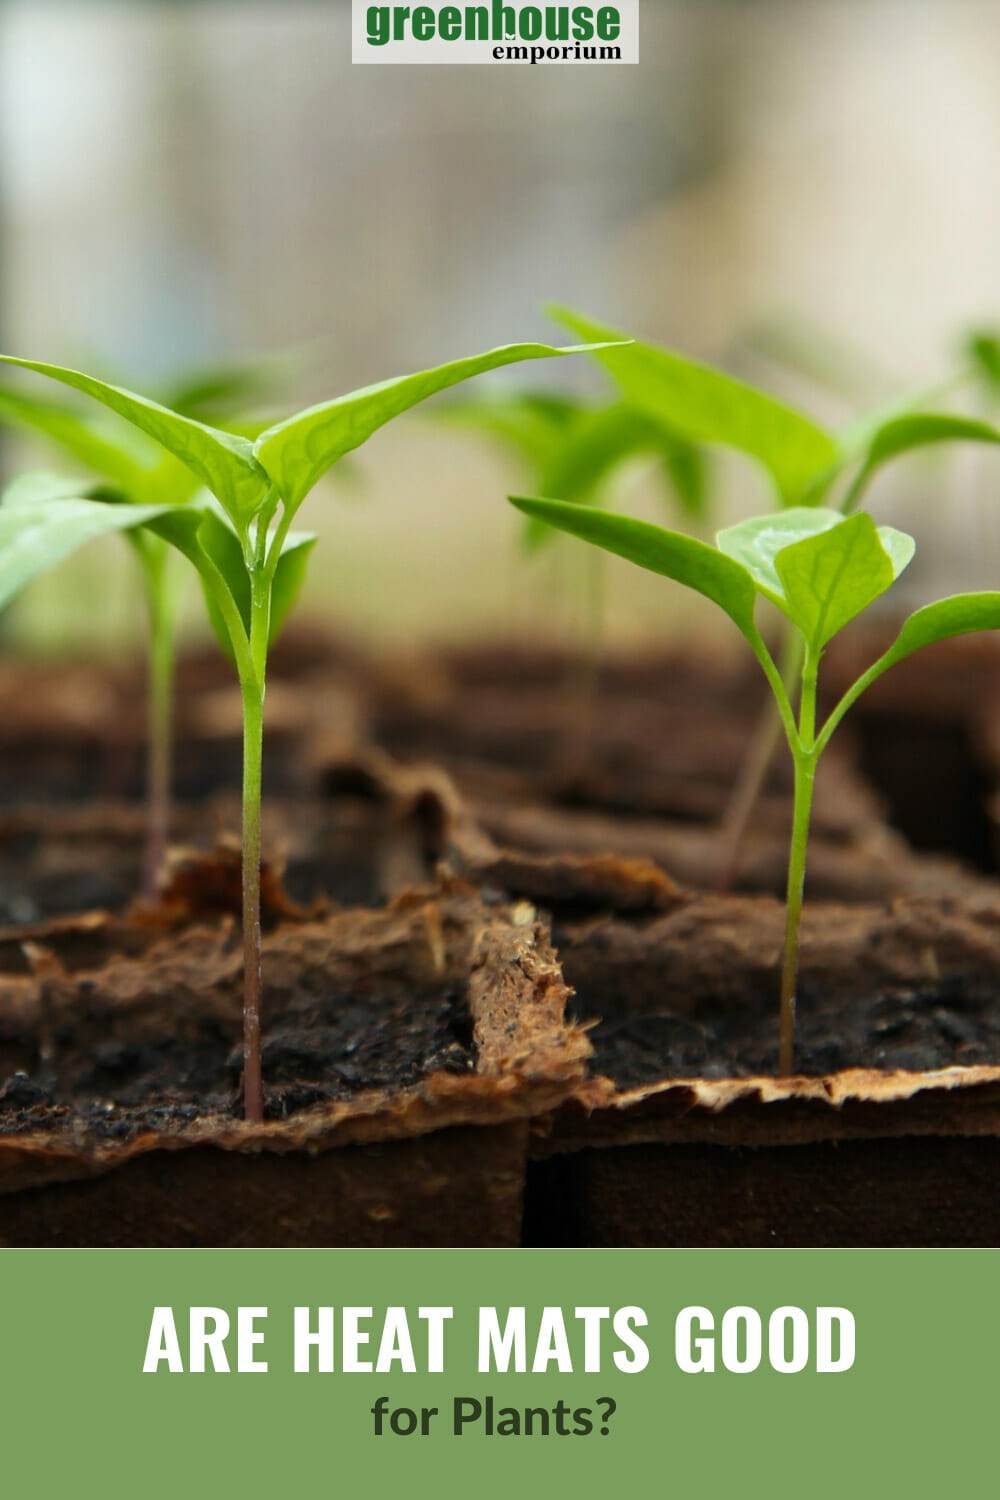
(504, 1004)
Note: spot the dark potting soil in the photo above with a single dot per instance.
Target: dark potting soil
(954, 1023)
(346, 849)
(317, 1048)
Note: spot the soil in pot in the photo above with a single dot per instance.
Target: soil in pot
(683, 1121)
(403, 1052)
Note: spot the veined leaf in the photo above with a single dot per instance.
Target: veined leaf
(221, 461)
(682, 558)
(297, 452)
(756, 542)
(705, 406)
(819, 567)
(829, 578)
(37, 535)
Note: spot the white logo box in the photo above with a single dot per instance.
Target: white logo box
(536, 34)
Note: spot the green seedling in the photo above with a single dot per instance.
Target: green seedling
(573, 449)
(805, 463)
(821, 570)
(252, 564)
(128, 466)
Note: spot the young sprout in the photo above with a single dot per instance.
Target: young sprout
(252, 564)
(805, 463)
(573, 449)
(138, 471)
(820, 569)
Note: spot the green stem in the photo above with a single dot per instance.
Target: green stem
(805, 754)
(159, 773)
(756, 765)
(253, 753)
(864, 682)
(805, 772)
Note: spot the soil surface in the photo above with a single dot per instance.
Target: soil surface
(952, 1024)
(693, 992)
(150, 1040)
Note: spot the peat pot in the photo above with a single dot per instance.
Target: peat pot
(682, 1135)
(404, 1052)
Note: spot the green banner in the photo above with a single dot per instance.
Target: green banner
(467, 1373)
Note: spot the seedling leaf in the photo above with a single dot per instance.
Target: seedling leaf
(36, 535)
(682, 558)
(756, 542)
(35, 486)
(831, 577)
(289, 575)
(903, 434)
(82, 439)
(297, 452)
(220, 543)
(706, 406)
(220, 460)
(961, 615)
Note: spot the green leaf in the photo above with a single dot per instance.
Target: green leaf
(218, 540)
(35, 486)
(756, 542)
(220, 543)
(819, 567)
(830, 577)
(289, 576)
(221, 460)
(601, 439)
(903, 434)
(961, 615)
(37, 535)
(125, 463)
(983, 349)
(682, 558)
(528, 423)
(705, 406)
(297, 452)
(685, 467)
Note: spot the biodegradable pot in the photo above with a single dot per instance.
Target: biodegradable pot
(894, 1155)
(435, 1156)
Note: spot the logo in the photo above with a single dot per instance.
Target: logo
(496, 32)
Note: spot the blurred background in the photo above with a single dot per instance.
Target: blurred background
(803, 190)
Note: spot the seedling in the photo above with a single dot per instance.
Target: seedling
(821, 569)
(135, 470)
(573, 450)
(805, 463)
(252, 564)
